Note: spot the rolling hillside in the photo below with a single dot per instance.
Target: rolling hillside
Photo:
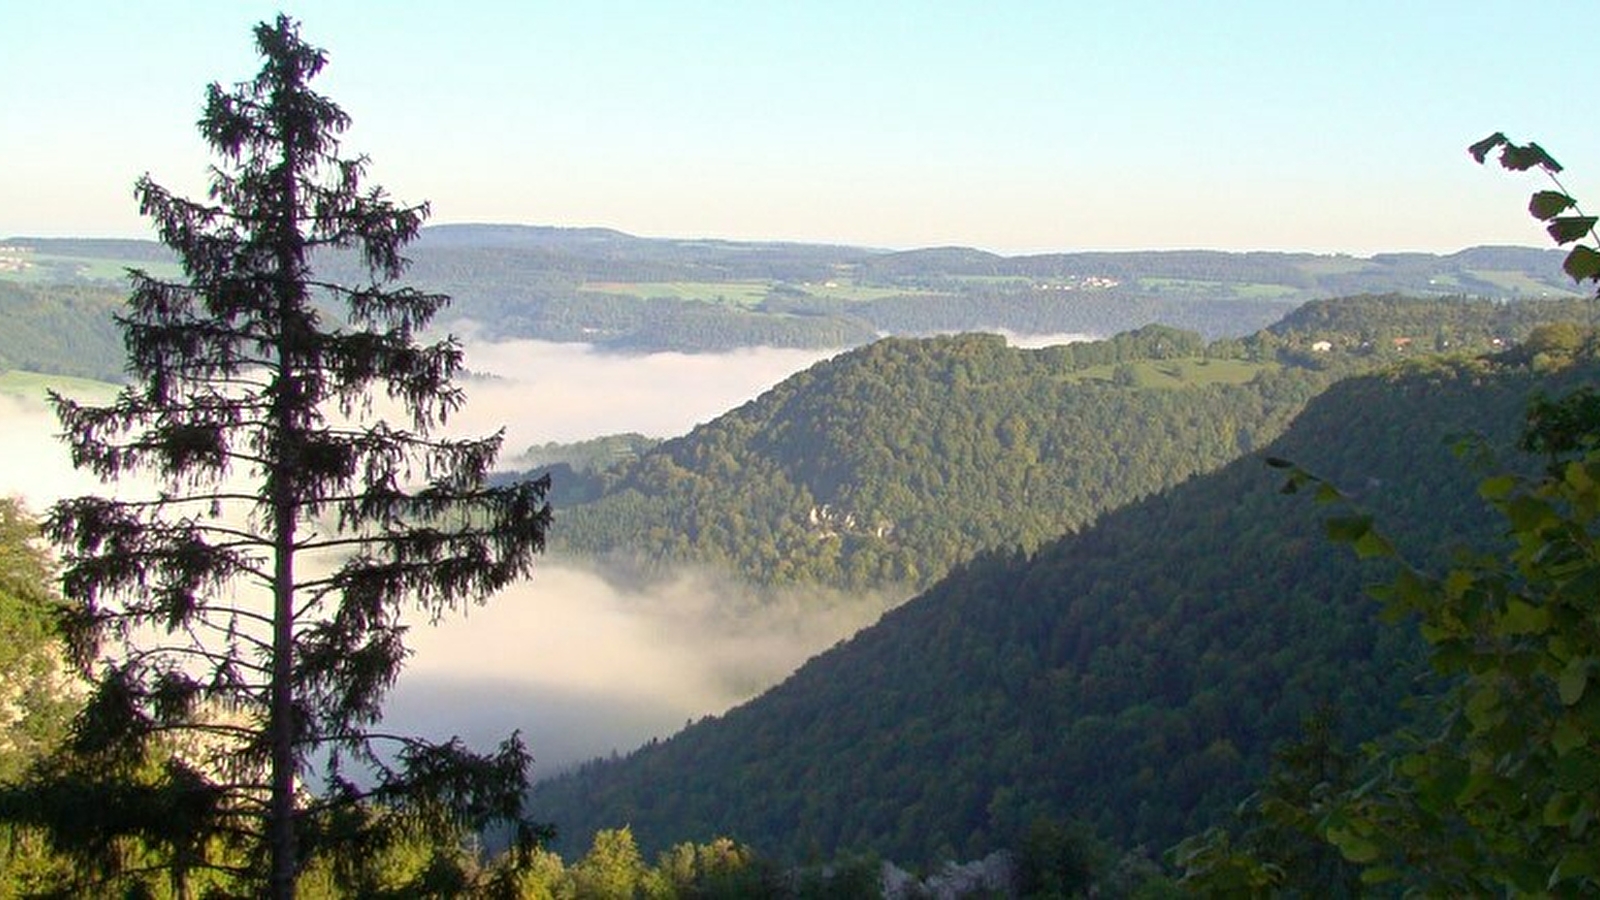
(887, 465)
(1131, 677)
(631, 294)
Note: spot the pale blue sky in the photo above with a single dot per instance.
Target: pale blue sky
(1012, 126)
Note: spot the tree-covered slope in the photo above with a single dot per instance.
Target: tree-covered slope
(1132, 676)
(61, 329)
(891, 463)
(1407, 325)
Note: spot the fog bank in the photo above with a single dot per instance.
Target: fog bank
(581, 665)
(540, 391)
(585, 667)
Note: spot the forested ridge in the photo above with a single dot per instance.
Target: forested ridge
(631, 294)
(61, 329)
(1132, 677)
(890, 464)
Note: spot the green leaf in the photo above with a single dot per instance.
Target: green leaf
(1484, 710)
(1545, 160)
(1498, 487)
(1549, 204)
(1522, 158)
(1457, 583)
(1480, 150)
(1355, 848)
(1528, 514)
(1348, 529)
(1583, 263)
(1574, 679)
(1379, 875)
(1558, 809)
(1413, 591)
(1567, 736)
(1373, 545)
(1566, 229)
(1576, 476)
(1522, 617)
(1576, 864)
(1439, 781)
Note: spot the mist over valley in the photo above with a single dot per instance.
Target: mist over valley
(581, 455)
(584, 664)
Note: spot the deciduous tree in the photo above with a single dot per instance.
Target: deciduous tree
(1503, 796)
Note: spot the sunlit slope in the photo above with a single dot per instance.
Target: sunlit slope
(891, 463)
(1133, 676)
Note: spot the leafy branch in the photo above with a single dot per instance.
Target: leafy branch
(1567, 223)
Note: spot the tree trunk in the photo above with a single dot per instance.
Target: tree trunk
(280, 826)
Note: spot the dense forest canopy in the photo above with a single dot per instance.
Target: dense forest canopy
(61, 329)
(1123, 624)
(1133, 676)
(887, 465)
(1057, 649)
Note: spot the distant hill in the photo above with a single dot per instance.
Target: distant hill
(61, 329)
(1131, 677)
(634, 294)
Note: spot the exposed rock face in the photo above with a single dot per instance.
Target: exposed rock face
(993, 876)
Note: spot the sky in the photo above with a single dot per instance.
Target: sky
(1014, 126)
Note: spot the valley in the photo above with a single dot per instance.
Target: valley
(797, 451)
(1007, 581)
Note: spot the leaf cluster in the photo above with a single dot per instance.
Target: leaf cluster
(1494, 788)
(1566, 223)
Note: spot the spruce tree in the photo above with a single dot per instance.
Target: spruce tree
(242, 625)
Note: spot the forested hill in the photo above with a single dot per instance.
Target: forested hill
(61, 329)
(1131, 677)
(634, 294)
(891, 463)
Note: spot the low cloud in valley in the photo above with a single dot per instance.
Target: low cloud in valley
(581, 664)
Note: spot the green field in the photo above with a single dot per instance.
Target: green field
(1519, 283)
(1242, 290)
(46, 268)
(859, 293)
(729, 293)
(1176, 373)
(32, 386)
(1333, 265)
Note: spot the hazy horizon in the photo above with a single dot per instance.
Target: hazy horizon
(1535, 241)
